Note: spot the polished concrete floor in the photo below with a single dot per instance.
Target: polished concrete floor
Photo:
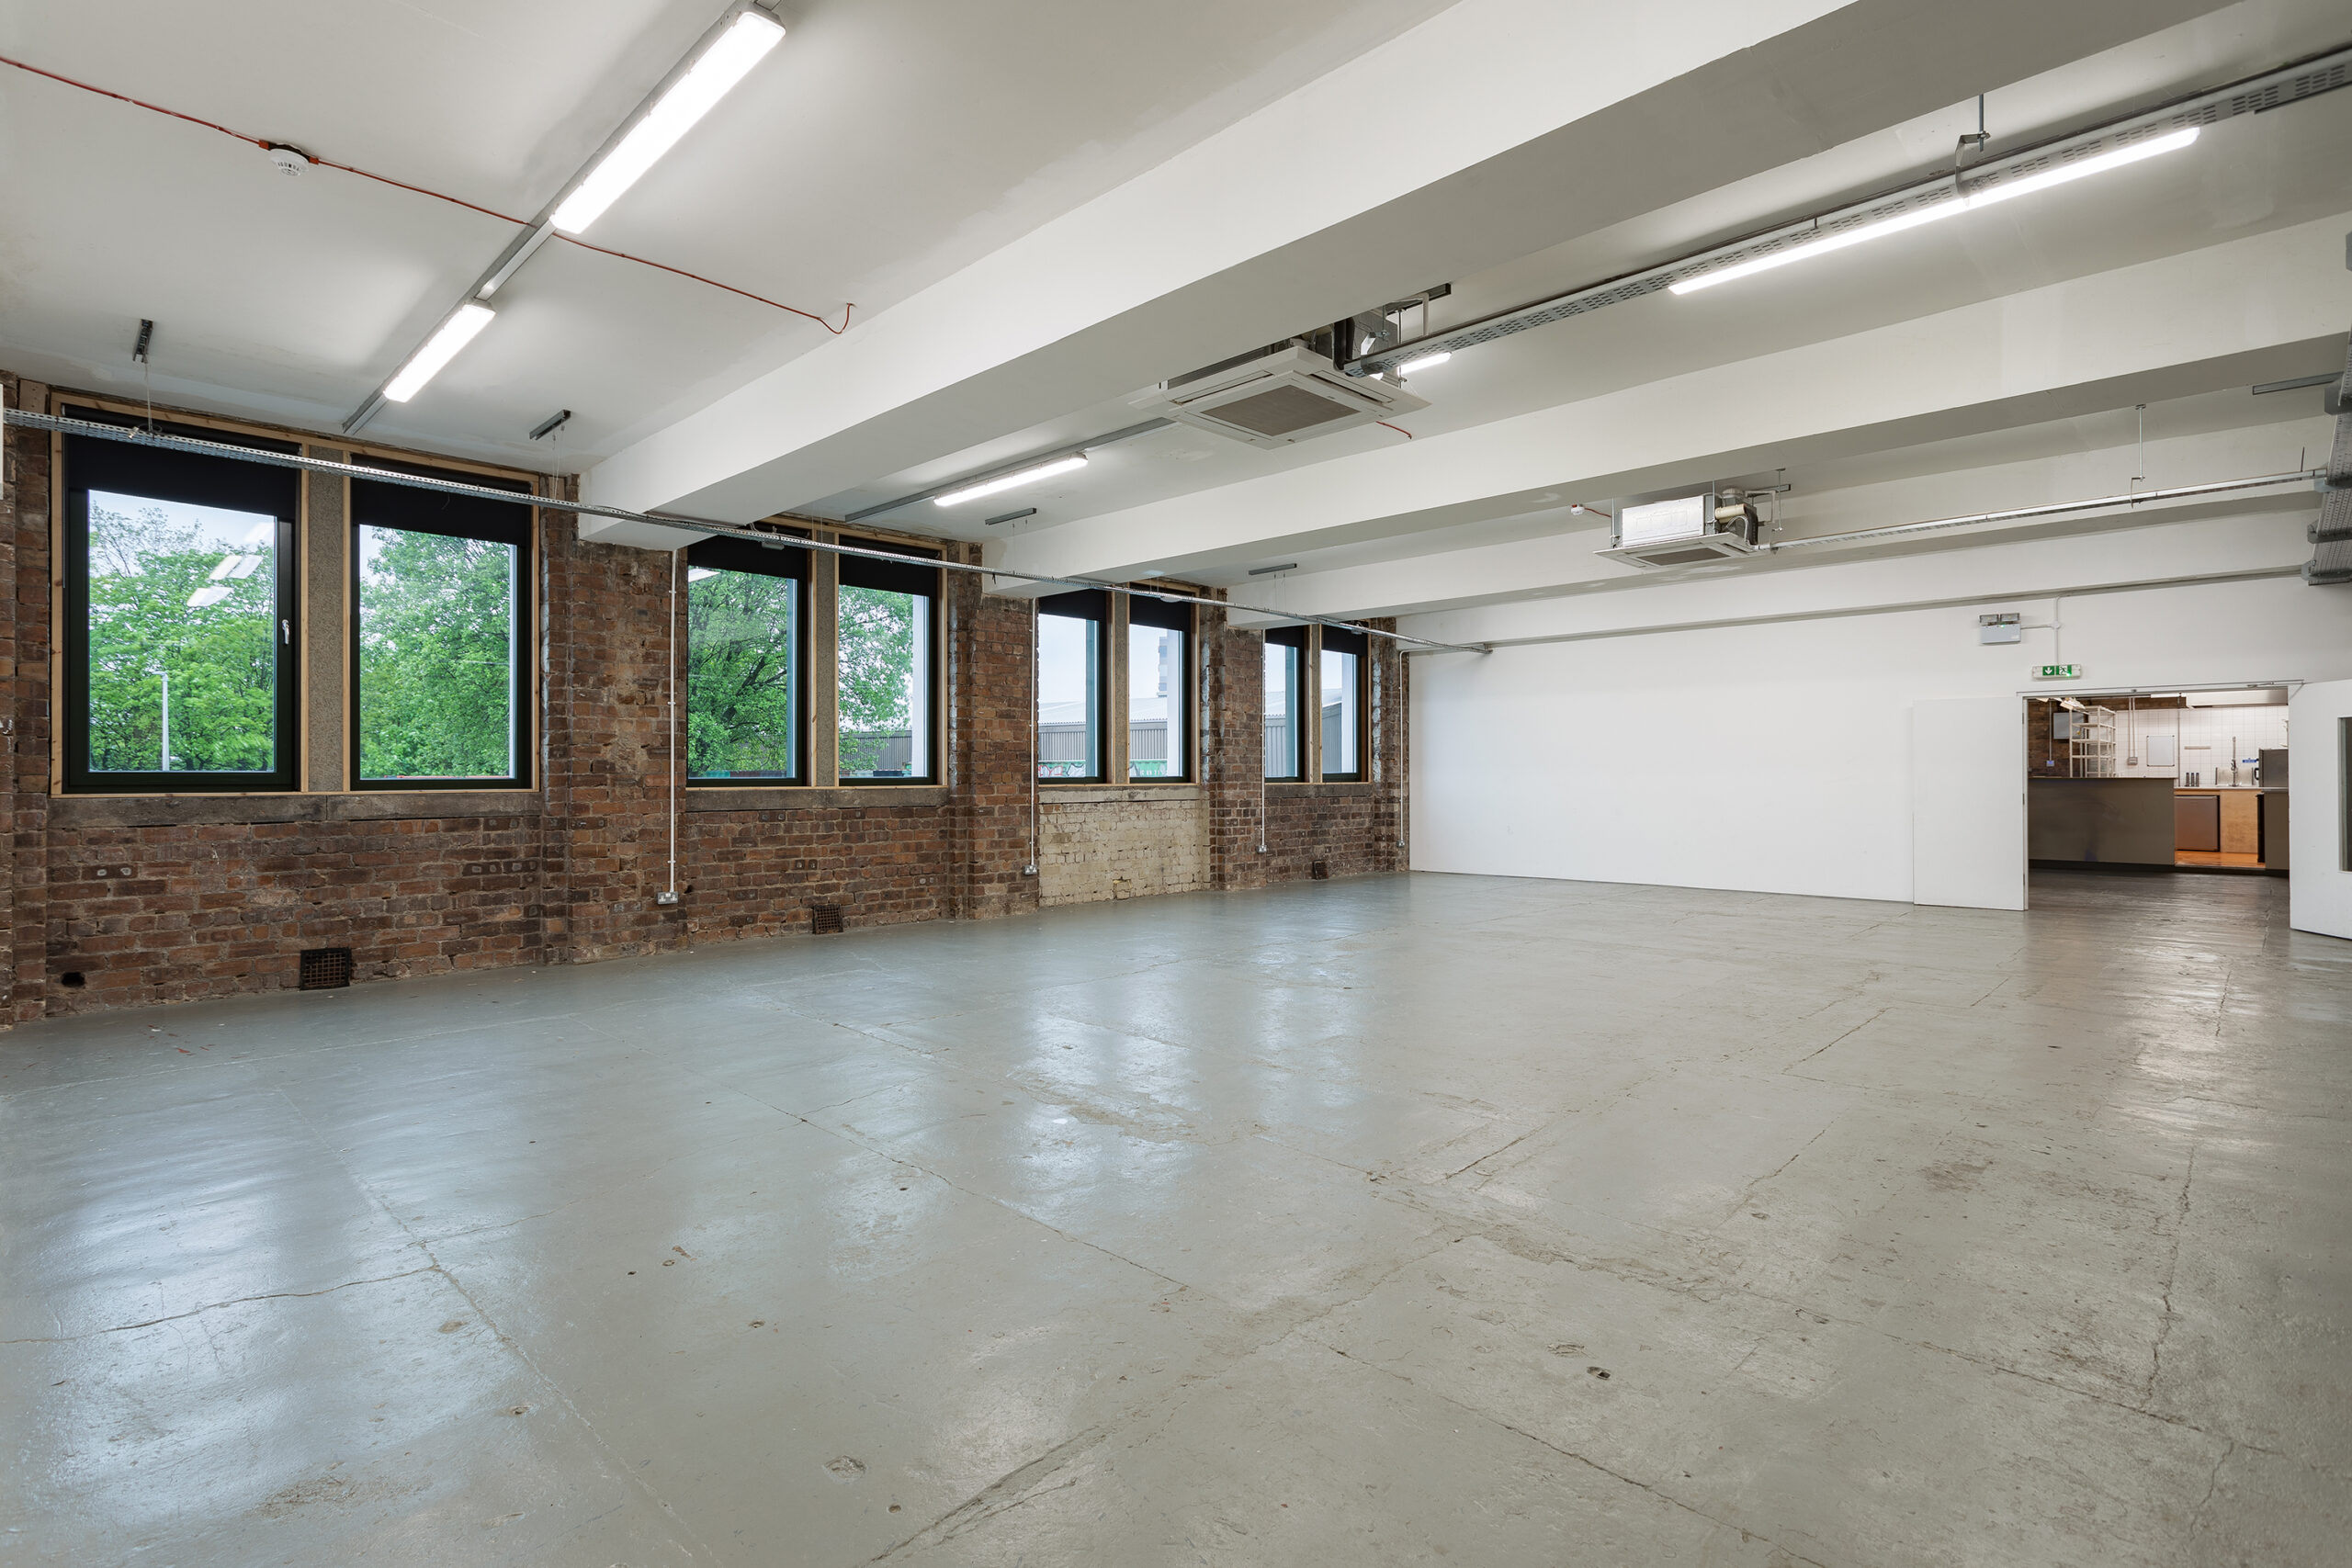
(1395, 1221)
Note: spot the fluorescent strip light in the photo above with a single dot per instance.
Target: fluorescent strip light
(722, 65)
(990, 486)
(1953, 208)
(439, 349)
(2075, 171)
(1912, 219)
(1423, 363)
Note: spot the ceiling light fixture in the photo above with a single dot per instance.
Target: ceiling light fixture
(1426, 362)
(1951, 206)
(439, 349)
(1006, 482)
(723, 65)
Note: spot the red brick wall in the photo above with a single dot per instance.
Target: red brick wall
(223, 892)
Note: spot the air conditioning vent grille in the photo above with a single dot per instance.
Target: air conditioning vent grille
(1282, 411)
(1276, 399)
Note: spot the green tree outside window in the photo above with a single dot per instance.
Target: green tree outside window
(741, 689)
(884, 637)
(436, 655)
(182, 637)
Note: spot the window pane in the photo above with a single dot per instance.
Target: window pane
(742, 692)
(1282, 703)
(1340, 711)
(1155, 703)
(183, 637)
(1070, 703)
(885, 724)
(436, 655)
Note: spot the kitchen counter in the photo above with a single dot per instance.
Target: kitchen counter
(2099, 821)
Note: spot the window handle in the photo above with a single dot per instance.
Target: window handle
(286, 633)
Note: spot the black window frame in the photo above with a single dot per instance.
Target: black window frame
(1290, 637)
(1334, 641)
(1084, 604)
(197, 479)
(754, 559)
(451, 516)
(1144, 610)
(913, 577)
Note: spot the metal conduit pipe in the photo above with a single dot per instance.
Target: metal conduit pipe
(138, 437)
(2055, 508)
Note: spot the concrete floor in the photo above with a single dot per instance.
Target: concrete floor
(1377, 1222)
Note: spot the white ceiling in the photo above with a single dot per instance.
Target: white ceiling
(886, 144)
(890, 144)
(2247, 175)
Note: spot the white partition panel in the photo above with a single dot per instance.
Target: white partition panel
(2319, 751)
(1968, 802)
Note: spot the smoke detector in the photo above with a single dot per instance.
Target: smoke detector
(1279, 399)
(290, 160)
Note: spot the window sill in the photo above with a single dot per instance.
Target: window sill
(369, 805)
(802, 798)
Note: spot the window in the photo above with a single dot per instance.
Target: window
(746, 655)
(1342, 703)
(1158, 715)
(1072, 675)
(1286, 653)
(887, 646)
(440, 629)
(180, 597)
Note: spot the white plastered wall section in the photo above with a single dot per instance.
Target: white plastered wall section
(1777, 758)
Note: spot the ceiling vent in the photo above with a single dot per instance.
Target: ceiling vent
(1684, 530)
(1279, 399)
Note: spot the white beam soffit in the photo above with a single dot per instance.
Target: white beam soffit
(2260, 94)
(526, 245)
(2079, 346)
(700, 527)
(1289, 216)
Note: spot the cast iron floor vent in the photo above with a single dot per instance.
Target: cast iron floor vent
(824, 919)
(325, 968)
(1320, 870)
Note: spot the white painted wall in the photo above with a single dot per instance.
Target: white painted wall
(2322, 899)
(1777, 758)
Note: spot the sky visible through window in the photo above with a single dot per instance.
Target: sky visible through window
(183, 652)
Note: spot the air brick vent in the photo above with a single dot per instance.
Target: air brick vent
(325, 968)
(1320, 870)
(824, 919)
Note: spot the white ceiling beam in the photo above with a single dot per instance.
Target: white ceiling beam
(1497, 128)
(2172, 327)
(2250, 540)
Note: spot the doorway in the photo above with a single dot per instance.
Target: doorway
(2192, 780)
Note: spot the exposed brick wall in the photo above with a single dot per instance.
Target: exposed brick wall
(223, 892)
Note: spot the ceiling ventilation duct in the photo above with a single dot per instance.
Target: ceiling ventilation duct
(1278, 399)
(1684, 530)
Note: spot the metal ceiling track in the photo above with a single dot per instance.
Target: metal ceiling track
(542, 228)
(137, 437)
(2253, 94)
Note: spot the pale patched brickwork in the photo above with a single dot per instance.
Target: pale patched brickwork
(1122, 844)
(222, 892)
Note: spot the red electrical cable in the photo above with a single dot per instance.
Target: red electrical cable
(1397, 428)
(438, 196)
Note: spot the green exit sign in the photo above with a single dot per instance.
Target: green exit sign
(2057, 671)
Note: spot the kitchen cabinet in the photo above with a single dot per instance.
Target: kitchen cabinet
(2230, 823)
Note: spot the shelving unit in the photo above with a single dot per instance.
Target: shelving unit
(2090, 746)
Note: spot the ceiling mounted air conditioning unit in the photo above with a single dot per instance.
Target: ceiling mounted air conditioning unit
(1684, 530)
(1279, 399)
